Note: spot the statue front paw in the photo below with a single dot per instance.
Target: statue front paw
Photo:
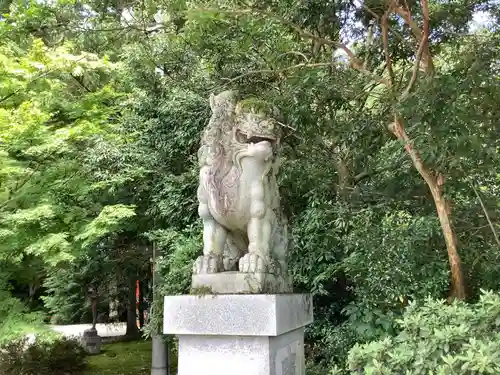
(252, 262)
(208, 264)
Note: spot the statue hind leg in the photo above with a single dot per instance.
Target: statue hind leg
(214, 239)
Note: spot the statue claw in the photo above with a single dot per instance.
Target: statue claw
(208, 264)
(252, 262)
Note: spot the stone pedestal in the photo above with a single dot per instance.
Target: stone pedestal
(91, 341)
(247, 334)
(234, 282)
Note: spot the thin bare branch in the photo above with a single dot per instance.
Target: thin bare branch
(19, 186)
(285, 125)
(419, 34)
(294, 53)
(80, 82)
(398, 129)
(49, 71)
(490, 223)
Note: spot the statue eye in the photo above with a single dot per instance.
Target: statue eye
(241, 137)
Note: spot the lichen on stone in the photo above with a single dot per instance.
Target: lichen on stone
(201, 291)
(256, 106)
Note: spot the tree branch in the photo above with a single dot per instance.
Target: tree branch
(8, 96)
(385, 36)
(49, 71)
(298, 66)
(422, 52)
(487, 215)
(405, 14)
(81, 83)
(398, 129)
(419, 34)
(355, 62)
(429, 66)
(19, 186)
(414, 74)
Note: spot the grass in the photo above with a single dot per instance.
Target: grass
(122, 358)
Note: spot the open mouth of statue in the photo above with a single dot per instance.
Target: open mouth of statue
(256, 139)
(243, 138)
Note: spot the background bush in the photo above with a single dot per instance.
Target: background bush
(46, 356)
(437, 338)
(15, 319)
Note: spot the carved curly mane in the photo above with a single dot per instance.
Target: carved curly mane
(215, 150)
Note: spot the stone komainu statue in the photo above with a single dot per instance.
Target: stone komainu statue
(243, 226)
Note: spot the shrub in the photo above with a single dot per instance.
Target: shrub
(44, 356)
(15, 319)
(437, 338)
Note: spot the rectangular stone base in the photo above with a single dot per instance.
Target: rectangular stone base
(246, 334)
(232, 282)
(242, 355)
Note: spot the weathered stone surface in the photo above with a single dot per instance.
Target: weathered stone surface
(253, 334)
(287, 353)
(243, 315)
(91, 341)
(240, 283)
(242, 355)
(243, 225)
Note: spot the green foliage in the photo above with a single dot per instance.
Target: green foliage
(388, 250)
(178, 249)
(46, 123)
(437, 338)
(125, 358)
(100, 121)
(174, 268)
(54, 102)
(45, 356)
(255, 105)
(109, 220)
(16, 319)
(65, 298)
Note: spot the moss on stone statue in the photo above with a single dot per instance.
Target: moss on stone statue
(201, 291)
(257, 106)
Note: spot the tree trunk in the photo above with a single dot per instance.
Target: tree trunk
(132, 330)
(442, 207)
(443, 210)
(114, 301)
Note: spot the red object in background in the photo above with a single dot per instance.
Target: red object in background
(137, 296)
